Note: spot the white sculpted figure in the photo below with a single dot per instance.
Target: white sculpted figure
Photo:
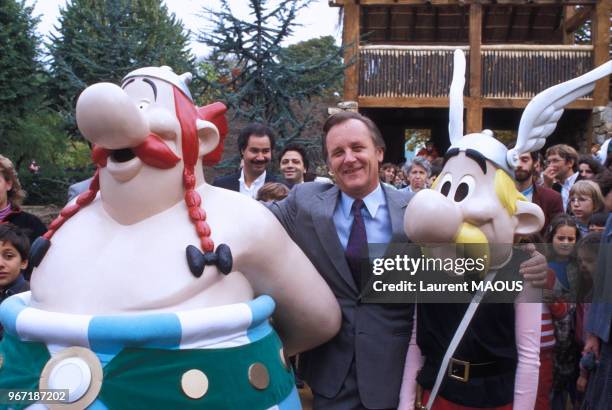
(184, 274)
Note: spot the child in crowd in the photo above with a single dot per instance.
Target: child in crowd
(272, 191)
(14, 249)
(586, 251)
(585, 199)
(563, 234)
(598, 222)
(400, 179)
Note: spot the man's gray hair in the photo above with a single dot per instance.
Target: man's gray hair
(420, 161)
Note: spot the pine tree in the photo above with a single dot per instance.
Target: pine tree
(20, 70)
(102, 40)
(27, 126)
(258, 78)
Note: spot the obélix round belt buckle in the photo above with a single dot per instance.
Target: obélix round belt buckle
(76, 369)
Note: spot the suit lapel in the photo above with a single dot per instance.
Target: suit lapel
(325, 228)
(396, 203)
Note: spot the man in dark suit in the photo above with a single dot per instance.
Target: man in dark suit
(361, 367)
(256, 144)
(546, 198)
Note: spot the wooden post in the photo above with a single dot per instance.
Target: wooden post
(474, 103)
(350, 40)
(569, 12)
(601, 42)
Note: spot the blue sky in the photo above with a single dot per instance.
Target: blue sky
(317, 20)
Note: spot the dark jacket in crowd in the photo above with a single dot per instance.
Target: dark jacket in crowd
(30, 224)
(550, 201)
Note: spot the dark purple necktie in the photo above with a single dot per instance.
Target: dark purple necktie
(356, 248)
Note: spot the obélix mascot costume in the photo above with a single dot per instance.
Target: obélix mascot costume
(153, 289)
(462, 356)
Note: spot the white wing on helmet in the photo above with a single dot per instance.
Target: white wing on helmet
(455, 95)
(542, 113)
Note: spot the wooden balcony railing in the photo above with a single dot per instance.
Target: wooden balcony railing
(523, 71)
(399, 71)
(508, 71)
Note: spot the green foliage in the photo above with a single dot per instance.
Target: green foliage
(259, 79)
(28, 130)
(205, 74)
(77, 155)
(62, 162)
(103, 40)
(50, 185)
(37, 135)
(321, 61)
(19, 69)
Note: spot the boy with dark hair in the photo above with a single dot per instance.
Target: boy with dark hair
(14, 249)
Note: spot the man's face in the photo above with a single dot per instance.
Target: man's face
(417, 178)
(292, 167)
(524, 169)
(257, 154)
(353, 158)
(11, 264)
(561, 167)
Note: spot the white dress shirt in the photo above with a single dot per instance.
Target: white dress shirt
(255, 185)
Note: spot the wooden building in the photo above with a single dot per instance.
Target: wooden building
(401, 54)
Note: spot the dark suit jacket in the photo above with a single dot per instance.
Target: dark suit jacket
(375, 335)
(550, 201)
(231, 181)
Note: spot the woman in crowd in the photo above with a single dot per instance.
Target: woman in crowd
(387, 173)
(585, 199)
(418, 172)
(588, 167)
(11, 196)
